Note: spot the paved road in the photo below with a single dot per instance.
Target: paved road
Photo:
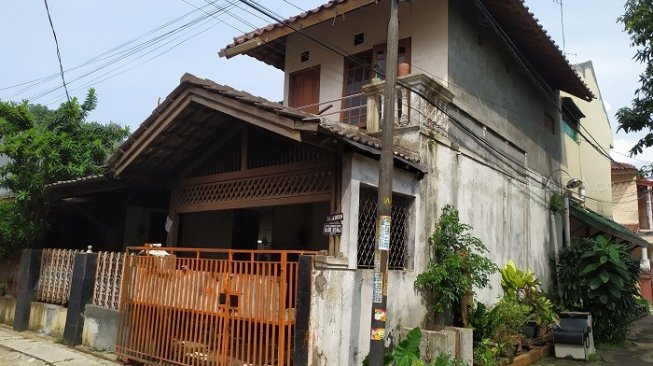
(17, 349)
(13, 358)
(638, 350)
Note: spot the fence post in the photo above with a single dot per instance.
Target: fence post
(30, 266)
(81, 293)
(303, 311)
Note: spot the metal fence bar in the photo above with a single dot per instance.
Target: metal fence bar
(56, 275)
(200, 307)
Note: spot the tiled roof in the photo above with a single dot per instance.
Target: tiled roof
(338, 130)
(618, 166)
(632, 227)
(514, 18)
(86, 179)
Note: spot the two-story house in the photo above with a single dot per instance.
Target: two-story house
(477, 126)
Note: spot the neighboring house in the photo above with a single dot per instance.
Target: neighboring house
(631, 202)
(479, 128)
(585, 128)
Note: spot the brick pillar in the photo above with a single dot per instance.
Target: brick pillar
(30, 267)
(645, 286)
(81, 293)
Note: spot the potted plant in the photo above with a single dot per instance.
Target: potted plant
(525, 288)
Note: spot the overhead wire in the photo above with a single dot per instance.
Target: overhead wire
(56, 42)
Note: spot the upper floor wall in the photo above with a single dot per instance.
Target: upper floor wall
(490, 85)
(362, 33)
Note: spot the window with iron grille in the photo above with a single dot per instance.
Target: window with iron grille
(367, 229)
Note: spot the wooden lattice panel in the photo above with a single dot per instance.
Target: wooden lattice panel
(292, 184)
(108, 277)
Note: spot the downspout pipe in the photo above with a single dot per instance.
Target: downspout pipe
(567, 224)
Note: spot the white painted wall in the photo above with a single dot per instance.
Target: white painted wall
(425, 22)
(582, 160)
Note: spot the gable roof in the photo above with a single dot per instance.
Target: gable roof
(267, 44)
(618, 167)
(198, 111)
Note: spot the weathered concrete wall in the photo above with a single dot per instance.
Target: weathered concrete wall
(100, 328)
(7, 310)
(100, 324)
(425, 22)
(490, 85)
(508, 212)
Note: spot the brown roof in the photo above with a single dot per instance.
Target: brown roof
(165, 150)
(623, 167)
(512, 16)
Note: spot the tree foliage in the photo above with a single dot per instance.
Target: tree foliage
(45, 146)
(638, 23)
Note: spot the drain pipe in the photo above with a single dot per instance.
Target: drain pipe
(567, 224)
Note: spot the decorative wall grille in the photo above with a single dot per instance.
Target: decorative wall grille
(307, 182)
(56, 275)
(108, 277)
(367, 229)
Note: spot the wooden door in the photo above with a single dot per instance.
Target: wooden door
(304, 89)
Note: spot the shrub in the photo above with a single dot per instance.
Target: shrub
(526, 289)
(600, 277)
(457, 264)
(511, 316)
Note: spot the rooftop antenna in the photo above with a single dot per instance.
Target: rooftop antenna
(562, 22)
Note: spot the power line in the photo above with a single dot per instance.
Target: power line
(56, 42)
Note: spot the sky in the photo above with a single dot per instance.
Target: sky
(129, 81)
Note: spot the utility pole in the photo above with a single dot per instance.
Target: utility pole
(384, 206)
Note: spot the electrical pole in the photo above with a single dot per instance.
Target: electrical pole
(384, 206)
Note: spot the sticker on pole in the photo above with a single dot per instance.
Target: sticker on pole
(379, 314)
(377, 290)
(384, 233)
(378, 334)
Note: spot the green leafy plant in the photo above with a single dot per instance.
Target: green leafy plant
(601, 277)
(483, 320)
(446, 359)
(405, 353)
(456, 267)
(526, 289)
(555, 203)
(486, 353)
(511, 317)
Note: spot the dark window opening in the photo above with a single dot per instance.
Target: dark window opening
(305, 56)
(367, 229)
(359, 39)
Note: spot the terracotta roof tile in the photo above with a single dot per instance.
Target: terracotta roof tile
(618, 166)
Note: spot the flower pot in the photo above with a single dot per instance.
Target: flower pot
(403, 69)
(530, 330)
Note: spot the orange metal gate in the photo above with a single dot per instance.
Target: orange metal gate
(208, 307)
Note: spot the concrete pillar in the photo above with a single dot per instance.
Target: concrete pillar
(303, 311)
(644, 262)
(30, 268)
(81, 293)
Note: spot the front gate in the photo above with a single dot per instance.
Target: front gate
(208, 306)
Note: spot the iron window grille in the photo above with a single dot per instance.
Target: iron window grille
(367, 229)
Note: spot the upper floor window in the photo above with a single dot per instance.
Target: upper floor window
(359, 71)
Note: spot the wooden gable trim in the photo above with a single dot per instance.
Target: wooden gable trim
(249, 113)
(282, 30)
(157, 127)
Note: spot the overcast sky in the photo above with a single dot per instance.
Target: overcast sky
(129, 83)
